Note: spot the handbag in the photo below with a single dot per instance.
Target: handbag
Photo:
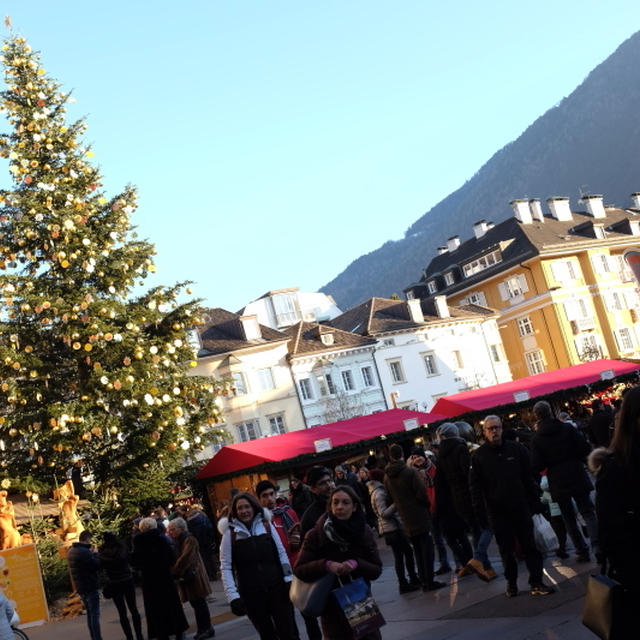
(604, 608)
(544, 535)
(359, 607)
(310, 598)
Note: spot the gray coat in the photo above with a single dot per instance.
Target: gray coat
(384, 509)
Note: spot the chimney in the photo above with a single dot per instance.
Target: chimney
(635, 198)
(442, 250)
(536, 209)
(453, 243)
(325, 334)
(594, 205)
(480, 228)
(250, 327)
(442, 309)
(415, 310)
(560, 208)
(490, 225)
(521, 211)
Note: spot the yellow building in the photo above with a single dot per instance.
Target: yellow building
(558, 280)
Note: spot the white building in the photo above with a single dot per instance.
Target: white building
(335, 373)
(284, 307)
(426, 351)
(261, 399)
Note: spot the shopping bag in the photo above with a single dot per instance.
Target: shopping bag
(359, 607)
(310, 598)
(603, 608)
(544, 535)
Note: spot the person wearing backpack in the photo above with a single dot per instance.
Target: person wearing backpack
(255, 569)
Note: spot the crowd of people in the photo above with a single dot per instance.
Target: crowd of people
(448, 499)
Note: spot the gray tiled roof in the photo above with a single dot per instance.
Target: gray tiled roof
(305, 339)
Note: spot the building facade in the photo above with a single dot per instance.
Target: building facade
(558, 280)
(425, 351)
(261, 397)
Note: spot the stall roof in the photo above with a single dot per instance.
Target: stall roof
(245, 455)
(531, 387)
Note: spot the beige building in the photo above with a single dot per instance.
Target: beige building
(261, 398)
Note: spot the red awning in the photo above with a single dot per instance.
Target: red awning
(531, 387)
(245, 455)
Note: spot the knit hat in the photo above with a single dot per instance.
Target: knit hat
(376, 474)
(447, 430)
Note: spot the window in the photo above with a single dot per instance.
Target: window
(535, 362)
(623, 339)
(431, 286)
(239, 383)
(330, 385)
(600, 262)
(430, 364)
(496, 352)
(388, 342)
(248, 430)
(576, 309)
(277, 424)
(284, 306)
(587, 347)
(265, 378)
(305, 389)
(397, 374)
(525, 328)
(513, 287)
(457, 360)
(448, 278)
(481, 263)
(476, 298)
(327, 387)
(347, 380)
(564, 270)
(367, 376)
(598, 232)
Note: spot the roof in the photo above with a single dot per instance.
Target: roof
(233, 458)
(532, 387)
(382, 315)
(222, 333)
(518, 242)
(306, 339)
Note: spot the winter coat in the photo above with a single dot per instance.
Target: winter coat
(618, 512)
(562, 451)
(243, 544)
(278, 522)
(190, 587)
(309, 518)
(599, 427)
(301, 499)
(318, 547)
(6, 613)
(200, 526)
(83, 567)
(452, 479)
(153, 555)
(501, 482)
(114, 559)
(385, 511)
(408, 492)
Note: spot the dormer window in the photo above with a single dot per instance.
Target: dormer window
(448, 278)
(327, 339)
(599, 232)
(482, 263)
(431, 286)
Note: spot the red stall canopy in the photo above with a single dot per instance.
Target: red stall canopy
(531, 387)
(244, 455)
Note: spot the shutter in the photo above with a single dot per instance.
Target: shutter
(502, 288)
(560, 271)
(631, 297)
(482, 300)
(597, 263)
(570, 308)
(522, 280)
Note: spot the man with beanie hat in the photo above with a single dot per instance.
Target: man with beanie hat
(408, 492)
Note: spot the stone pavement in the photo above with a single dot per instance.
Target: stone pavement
(467, 609)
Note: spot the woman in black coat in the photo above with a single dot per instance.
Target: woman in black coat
(154, 556)
(340, 543)
(114, 559)
(618, 504)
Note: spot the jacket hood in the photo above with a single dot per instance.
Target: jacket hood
(450, 444)
(550, 427)
(394, 469)
(225, 523)
(372, 485)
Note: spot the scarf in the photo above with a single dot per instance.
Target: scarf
(287, 520)
(345, 532)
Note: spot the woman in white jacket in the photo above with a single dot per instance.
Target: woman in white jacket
(255, 569)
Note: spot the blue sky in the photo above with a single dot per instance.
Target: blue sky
(274, 142)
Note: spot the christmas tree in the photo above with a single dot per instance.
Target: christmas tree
(89, 369)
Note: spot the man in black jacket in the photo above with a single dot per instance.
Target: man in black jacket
(84, 566)
(562, 451)
(600, 425)
(504, 493)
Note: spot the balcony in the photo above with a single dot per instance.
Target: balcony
(582, 324)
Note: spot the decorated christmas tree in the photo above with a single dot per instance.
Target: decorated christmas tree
(90, 369)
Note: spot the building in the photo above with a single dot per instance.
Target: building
(558, 279)
(261, 399)
(426, 350)
(335, 373)
(282, 308)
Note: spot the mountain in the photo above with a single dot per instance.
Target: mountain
(591, 138)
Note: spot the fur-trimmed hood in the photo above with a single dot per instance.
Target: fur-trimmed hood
(225, 523)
